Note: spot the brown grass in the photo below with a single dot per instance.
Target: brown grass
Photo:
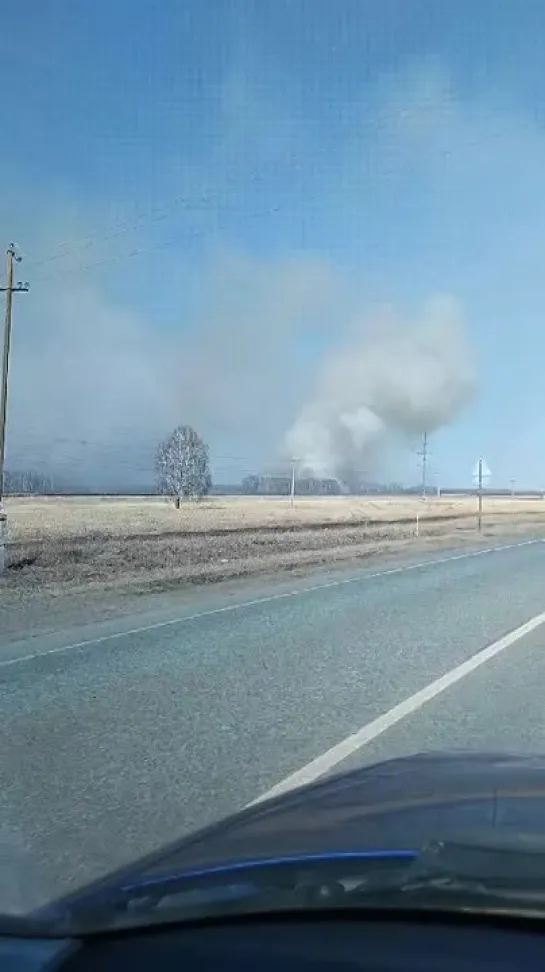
(54, 518)
(61, 545)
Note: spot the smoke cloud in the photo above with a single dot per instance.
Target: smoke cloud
(394, 379)
(95, 384)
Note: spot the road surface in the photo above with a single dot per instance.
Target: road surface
(121, 736)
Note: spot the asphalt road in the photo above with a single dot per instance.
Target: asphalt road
(121, 736)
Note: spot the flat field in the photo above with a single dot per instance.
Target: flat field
(53, 517)
(144, 542)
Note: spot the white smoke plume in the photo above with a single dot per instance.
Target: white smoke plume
(393, 380)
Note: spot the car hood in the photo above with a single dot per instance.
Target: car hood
(402, 803)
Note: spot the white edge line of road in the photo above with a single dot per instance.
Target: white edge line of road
(361, 578)
(347, 747)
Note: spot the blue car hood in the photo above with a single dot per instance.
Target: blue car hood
(402, 803)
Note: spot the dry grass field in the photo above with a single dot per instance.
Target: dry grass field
(140, 543)
(54, 518)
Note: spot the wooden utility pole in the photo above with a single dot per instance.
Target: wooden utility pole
(10, 289)
(424, 456)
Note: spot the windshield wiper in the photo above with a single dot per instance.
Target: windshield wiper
(479, 874)
(246, 886)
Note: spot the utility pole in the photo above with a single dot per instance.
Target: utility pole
(292, 488)
(10, 289)
(424, 456)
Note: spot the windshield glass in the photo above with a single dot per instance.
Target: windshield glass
(271, 480)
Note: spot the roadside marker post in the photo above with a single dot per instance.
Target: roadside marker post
(3, 539)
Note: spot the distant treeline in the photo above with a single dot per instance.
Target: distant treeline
(27, 482)
(281, 486)
(312, 486)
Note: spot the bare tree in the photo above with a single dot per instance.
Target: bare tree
(183, 466)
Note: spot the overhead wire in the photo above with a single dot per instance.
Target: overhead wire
(157, 213)
(138, 251)
(116, 230)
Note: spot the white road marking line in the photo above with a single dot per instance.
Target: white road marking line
(347, 747)
(117, 635)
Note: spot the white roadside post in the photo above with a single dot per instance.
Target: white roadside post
(3, 537)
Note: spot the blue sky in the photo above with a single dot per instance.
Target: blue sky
(207, 195)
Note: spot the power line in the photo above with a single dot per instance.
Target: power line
(136, 251)
(116, 230)
(188, 203)
(147, 248)
(121, 228)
